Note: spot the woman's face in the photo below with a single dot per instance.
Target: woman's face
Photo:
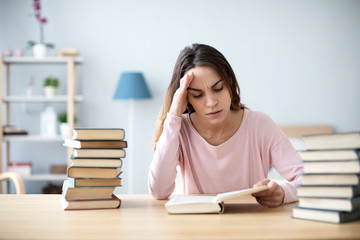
(208, 95)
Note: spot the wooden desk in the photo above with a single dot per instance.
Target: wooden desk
(141, 217)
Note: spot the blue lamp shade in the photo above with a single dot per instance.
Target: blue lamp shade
(132, 85)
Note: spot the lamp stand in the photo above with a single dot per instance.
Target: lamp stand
(130, 158)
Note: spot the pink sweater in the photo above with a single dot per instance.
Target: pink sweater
(238, 163)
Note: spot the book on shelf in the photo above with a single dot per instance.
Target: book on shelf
(94, 182)
(113, 202)
(349, 140)
(90, 172)
(331, 179)
(339, 204)
(71, 193)
(11, 130)
(206, 204)
(341, 166)
(68, 52)
(98, 133)
(323, 215)
(330, 155)
(95, 162)
(99, 153)
(328, 191)
(94, 143)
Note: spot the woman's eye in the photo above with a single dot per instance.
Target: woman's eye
(198, 96)
(218, 89)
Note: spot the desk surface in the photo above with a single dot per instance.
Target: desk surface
(141, 217)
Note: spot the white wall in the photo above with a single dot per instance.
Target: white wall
(298, 61)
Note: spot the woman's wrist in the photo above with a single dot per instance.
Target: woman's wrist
(175, 112)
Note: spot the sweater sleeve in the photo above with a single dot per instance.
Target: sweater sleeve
(288, 163)
(162, 171)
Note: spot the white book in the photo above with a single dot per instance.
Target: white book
(206, 204)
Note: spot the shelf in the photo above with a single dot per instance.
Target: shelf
(39, 99)
(28, 60)
(32, 138)
(68, 98)
(45, 177)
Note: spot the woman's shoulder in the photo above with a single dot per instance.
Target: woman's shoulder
(257, 116)
(260, 122)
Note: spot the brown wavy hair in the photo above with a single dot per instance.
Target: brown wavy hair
(191, 57)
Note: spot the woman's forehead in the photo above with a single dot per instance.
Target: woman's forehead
(204, 76)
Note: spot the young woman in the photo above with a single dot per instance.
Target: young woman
(219, 144)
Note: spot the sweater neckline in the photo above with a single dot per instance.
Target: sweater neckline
(228, 140)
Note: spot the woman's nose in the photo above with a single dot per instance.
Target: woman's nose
(211, 101)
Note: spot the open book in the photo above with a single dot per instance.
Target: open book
(206, 204)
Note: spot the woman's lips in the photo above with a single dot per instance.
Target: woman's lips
(214, 114)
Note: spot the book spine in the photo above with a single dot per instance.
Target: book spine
(349, 216)
(355, 203)
(356, 191)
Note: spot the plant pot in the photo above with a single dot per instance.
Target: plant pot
(50, 91)
(40, 50)
(64, 130)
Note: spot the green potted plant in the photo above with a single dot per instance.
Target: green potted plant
(64, 127)
(51, 85)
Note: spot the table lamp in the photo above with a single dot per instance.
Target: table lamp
(131, 86)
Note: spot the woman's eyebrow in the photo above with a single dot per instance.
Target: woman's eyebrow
(216, 83)
(199, 90)
(194, 89)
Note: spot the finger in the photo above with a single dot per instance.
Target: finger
(262, 193)
(273, 187)
(184, 83)
(276, 200)
(269, 203)
(188, 78)
(185, 78)
(263, 182)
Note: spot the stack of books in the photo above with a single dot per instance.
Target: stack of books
(330, 191)
(94, 168)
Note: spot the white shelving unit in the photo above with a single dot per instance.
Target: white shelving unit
(69, 99)
(45, 177)
(38, 99)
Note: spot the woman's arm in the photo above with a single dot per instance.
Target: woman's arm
(283, 157)
(288, 163)
(162, 172)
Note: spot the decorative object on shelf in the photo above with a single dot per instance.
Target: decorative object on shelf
(51, 85)
(19, 52)
(40, 49)
(48, 122)
(51, 188)
(58, 168)
(7, 52)
(22, 168)
(132, 85)
(29, 90)
(68, 52)
(64, 127)
(11, 130)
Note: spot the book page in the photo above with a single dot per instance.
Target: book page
(191, 200)
(193, 204)
(231, 195)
